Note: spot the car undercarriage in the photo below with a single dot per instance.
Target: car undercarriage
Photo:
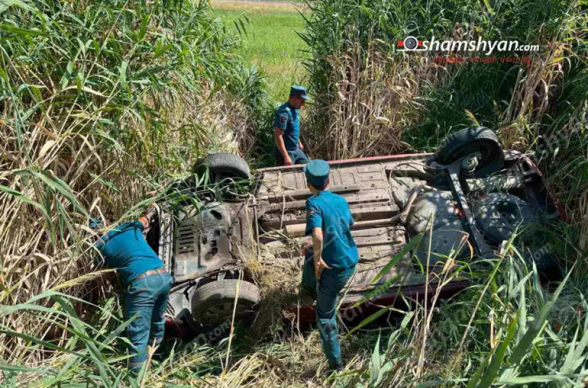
(412, 214)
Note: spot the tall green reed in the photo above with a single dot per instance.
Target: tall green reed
(100, 102)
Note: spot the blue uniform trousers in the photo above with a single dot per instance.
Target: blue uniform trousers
(146, 297)
(326, 291)
(297, 156)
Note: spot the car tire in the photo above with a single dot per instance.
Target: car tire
(469, 141)
(547, 266)
(499, 214)
(223, 165)
(213, 303)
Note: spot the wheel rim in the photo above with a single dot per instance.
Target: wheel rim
(485, 149)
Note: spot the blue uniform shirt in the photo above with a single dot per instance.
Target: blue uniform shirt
(331, 213)
(287, 119)
(125, 249)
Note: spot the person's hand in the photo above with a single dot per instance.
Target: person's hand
(287, 161)
(306, 245)
(319, 266)
(301, 146)
(145, 222)
(151, 211)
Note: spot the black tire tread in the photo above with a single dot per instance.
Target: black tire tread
(224, 163)
(223, 290)
(547, 266)
(458, 139)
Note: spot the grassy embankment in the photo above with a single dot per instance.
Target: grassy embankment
(506, 329)
(270, 40)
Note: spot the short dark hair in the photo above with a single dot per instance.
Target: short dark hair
(319, 188)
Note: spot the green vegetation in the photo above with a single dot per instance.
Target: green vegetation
(503, 329)
(270, 42)
(397, 96)
(401, 101)
(98, 103)
(101, 102)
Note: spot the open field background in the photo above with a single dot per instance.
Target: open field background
(269, 31)
(102, 102)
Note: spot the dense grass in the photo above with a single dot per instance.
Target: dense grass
(395, 96)
(374, 100)
(89, 128)
(270, 41)
(99, 103)
(504, 329)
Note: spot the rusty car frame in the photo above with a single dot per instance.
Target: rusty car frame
(464, 200)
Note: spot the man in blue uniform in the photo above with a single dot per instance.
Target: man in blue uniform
(289, 150)
(331, 262)
(146, 282)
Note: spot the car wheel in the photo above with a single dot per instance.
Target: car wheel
(499, 214)
(221, 166)
(547, 267)
(213, 303)
(469, 141)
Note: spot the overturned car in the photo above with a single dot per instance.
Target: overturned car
(461, 202)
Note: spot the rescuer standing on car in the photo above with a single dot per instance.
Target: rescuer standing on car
(289, 150)
(331, 262)
(147, 284)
